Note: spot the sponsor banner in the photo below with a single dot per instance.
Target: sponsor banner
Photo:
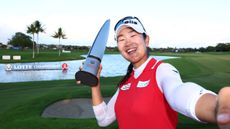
(25, 67)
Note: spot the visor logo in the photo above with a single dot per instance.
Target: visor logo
(130, 21)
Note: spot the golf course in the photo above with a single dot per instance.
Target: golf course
(22, 103)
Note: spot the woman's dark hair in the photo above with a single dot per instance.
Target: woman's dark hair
(130, 67)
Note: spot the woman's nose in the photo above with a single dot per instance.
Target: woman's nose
(127, 42)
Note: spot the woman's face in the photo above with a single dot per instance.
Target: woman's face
(132, 46)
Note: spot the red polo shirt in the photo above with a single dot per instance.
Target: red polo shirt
(141, 105)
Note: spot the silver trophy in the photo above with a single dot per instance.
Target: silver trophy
(88, 74)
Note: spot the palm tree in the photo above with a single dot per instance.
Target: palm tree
(59, 34)
(31, 30)
(39, 28)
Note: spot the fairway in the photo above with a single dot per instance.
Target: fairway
(43, 56)
(21, 104)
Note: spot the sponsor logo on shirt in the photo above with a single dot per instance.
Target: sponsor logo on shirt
(126, 86)
(142, 84)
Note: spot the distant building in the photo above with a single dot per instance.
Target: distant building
(9, 46)
(2, 45)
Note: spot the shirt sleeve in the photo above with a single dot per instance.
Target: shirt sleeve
(105, 113)
(182, 97)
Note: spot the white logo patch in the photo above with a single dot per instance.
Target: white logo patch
(126, 87)
(142, 84)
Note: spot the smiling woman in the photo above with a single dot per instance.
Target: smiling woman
(152, 93)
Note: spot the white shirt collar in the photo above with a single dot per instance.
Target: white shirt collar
(139, 70)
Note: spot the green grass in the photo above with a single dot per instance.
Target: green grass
(21, 104)
(43, 56)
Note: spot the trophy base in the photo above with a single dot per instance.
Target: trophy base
(86, 78)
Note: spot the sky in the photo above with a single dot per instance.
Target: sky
(169, 23)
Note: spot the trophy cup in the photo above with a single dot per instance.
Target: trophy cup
(88, 74)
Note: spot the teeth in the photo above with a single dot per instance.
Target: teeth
(130, 50)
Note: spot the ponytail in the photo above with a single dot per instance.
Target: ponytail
(126, 77)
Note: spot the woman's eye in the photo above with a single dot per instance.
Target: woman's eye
(133, 35)
(121, 39)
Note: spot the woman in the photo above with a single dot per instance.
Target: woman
(152, 92)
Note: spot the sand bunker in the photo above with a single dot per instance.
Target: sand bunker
(71, 108)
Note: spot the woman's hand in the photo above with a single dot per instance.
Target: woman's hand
(98, 73)
(223, 108)
(96, 91)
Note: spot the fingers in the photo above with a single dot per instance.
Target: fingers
(223, 109)
(80, 68)
(78, 82)
(99, 71)
(97, 74)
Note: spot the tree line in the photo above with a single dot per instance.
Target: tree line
(220, 47)
(24, 41)
(21, 40)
